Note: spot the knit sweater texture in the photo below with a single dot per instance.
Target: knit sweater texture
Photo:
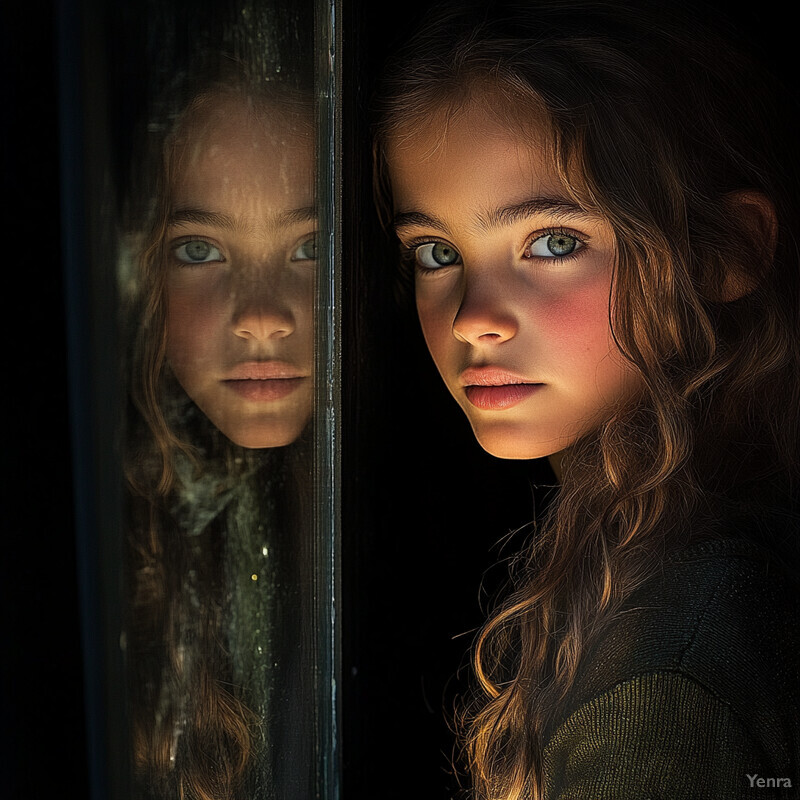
(692, 693)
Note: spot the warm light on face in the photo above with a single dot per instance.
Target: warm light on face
(241, 267)
(512, 283)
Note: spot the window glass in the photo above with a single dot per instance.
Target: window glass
(203, 333)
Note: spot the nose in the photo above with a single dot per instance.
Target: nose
(486, 314)
(261, 310)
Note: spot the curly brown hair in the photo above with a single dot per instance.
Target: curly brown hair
(664, 129)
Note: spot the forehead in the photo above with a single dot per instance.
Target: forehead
(228, 146)
(473, 152)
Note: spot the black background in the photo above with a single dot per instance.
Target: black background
(424, 506)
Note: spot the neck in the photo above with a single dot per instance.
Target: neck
(555, 463)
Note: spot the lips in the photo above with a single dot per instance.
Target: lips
(495, 388)
(264, 381)
(264, 371)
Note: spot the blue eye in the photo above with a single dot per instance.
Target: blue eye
(436, 255)
(197, 251)
(553, 245)
(306, 250)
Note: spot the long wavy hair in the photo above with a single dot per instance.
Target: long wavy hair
(194, 732)
(663, 128)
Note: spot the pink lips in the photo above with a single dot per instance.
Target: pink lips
(495, 389)
(264, 380)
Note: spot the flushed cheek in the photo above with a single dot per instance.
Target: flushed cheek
(584, 358)
(575, 324)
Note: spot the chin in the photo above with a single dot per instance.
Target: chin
(511, 443)
(260, 437)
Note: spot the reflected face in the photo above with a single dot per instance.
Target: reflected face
(513, 282)
(241, 270)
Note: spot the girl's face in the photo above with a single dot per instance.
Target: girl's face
(513, 282)
(241, 269)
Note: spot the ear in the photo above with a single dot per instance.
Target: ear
(759, 228)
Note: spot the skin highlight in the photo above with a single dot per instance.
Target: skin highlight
(240, 255)
(508, 311)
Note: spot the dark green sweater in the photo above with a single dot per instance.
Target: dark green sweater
(693, 691)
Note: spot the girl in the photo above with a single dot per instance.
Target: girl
(221, 397)
(597, 205)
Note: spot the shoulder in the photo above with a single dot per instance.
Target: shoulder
(660, 735)
(717, 611)
(706, 653)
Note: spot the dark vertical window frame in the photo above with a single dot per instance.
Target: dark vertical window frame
(327, 476)
(94, 386)
(41, 672)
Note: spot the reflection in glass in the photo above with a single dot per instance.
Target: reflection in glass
(218, 629)
(238, 258)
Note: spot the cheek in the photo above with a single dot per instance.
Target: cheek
(193, 318)
(589, 357)
(577, 323)
(436, 324)
(300, 299)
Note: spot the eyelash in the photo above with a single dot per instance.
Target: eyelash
(176, 245)
(409, 254)
(409, 251)
(543, 234)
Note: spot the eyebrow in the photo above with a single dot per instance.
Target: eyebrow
(216, 219)
(500, 217)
